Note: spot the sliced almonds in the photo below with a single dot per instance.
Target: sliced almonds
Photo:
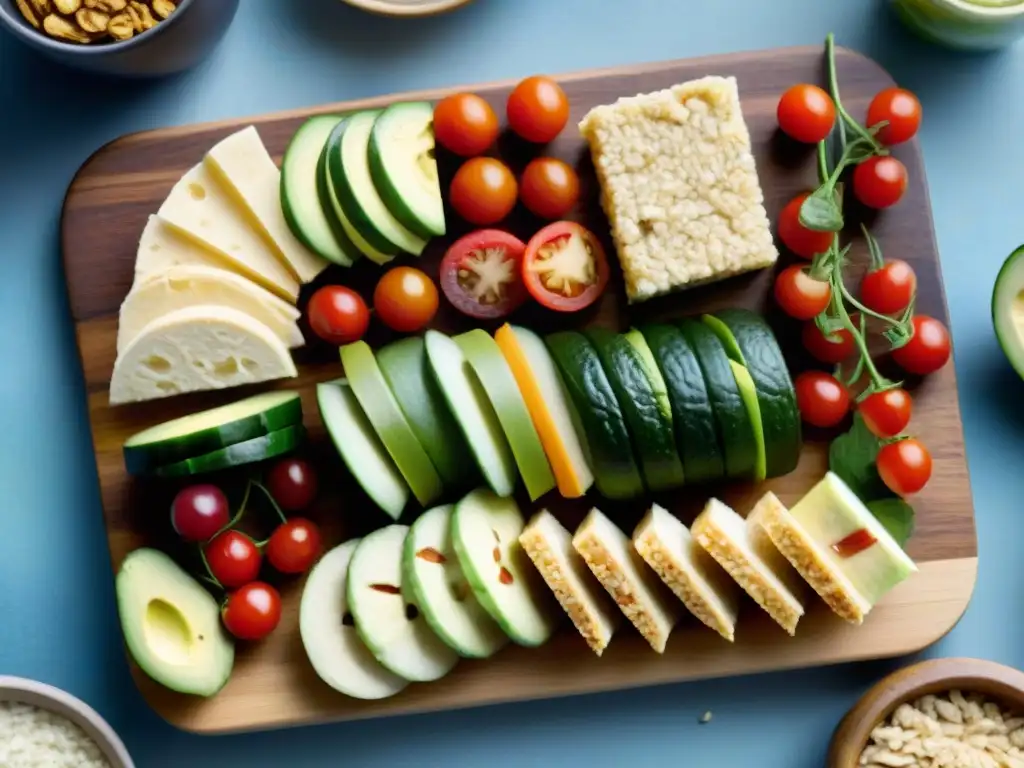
(88, 21)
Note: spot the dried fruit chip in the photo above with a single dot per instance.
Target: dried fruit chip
(68, 7)
(144, 14)
(121, 27)
(163, 8)
(93, 22)
(107, 6)
(62, 29)
(28, 13)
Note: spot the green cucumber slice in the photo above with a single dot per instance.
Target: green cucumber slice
(348, 166)
(639, 343)
(301, 201)
(468, 402)
(734, 426)
(251, 451)
(485, 534)
(407, 372)
(653, 440)
(383, 412)
(616, 473)
(403, 167)
(750, 342)
(491, 368)
(341, 224)
(749, 396)
(440, 590)
(211, 430)
(692, 415)
(360, 448)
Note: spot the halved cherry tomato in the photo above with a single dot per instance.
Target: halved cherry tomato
(928, 349)
(338, 315)
(549, 188)
(538, 109)
(564, 267)
(465, 124)
(832, 349)
(880, 182)
(823, 401)
(806, 113)
(798, 238)
(900, 109)
(482, 276)
(889, 288)
(800, 295)
(483, 191)
(405, 299)
(905, 466)
(886, 413)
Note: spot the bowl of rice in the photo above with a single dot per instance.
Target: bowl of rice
(44, 727)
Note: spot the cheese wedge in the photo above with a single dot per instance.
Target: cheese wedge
(549, 545)
(691, 573)
(641, 596)
(748, 555)
(198, 348)
(180, 287)
(200, 209)
(248, 173)
(161, 248)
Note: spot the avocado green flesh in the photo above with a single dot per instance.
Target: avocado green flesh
(172, 625)
(652, 436)
(1008, 309)
(615, 469)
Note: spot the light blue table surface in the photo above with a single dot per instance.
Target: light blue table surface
(57, 616)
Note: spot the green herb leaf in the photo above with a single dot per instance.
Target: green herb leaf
(852, 456)
(820, 212)
(896, 515)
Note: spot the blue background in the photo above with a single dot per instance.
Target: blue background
(57, 617)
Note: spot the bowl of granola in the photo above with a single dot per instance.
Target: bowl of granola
(936, 714)
(132, 38)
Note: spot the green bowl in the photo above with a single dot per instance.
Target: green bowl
(973, 25)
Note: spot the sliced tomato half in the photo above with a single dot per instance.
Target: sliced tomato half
(481, 274)
(565, 267)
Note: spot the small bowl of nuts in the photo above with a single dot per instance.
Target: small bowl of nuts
(140, 38)
(942, 713)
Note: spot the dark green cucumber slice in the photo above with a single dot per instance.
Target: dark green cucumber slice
(340, 226)
(301, 201)
(754, 346)
(692, 415)
(251, 451)
(654, 442)
(615, 469)
(734, 426)
(403, 167)
(348, 166)
(407, 371)
(211, 430)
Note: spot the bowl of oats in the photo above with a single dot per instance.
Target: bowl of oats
(941, 713)
(129, 38)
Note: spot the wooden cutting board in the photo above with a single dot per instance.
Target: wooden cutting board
(273, 684)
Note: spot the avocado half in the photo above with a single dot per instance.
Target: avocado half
(1008, 309)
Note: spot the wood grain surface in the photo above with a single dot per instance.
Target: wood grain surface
(273, 684)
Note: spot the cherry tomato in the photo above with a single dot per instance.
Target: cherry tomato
(799, 295)
(831, 349)
(199, 512)
(901, 109)
(483, 191)
(880, 182)
(465, 124)
(482, 276)
(806, 113)
(798, 238)
(549, 188)
(294, 545)
(889, 288)
(904, 466)
(405, 299)
(928, 349)
(233, 559)
(564, 267)
(338, 315)
(538, 109)
(252, 612)
(886, 413)
(822, 400)
(293, 484)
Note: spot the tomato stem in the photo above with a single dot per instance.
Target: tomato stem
(271, 499)
(833, 85)
(209, 577)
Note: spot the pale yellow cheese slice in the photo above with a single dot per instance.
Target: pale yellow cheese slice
(198, 348)
(161, 248)
(200, 209)
(247, 171)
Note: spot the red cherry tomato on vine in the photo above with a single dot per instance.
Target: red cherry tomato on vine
(798, 238)
(549, 188)
(823, 401)
(483, 191)
(889, 288)
(293, 484)
(199, 511)
(800, 295)
(405, 299)
(833, 349)
(879, 182)
(806, 113)
(886, 413)
(233, 558)
(538, 109)
(253, 611)
(900, 109)
(928, 349)
(338, 315)
(465, 124)
(904, 466)
(294, 546)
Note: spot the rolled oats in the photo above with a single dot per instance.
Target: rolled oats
(94, 21)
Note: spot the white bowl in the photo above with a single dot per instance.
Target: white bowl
(407, 7)
(22, 691)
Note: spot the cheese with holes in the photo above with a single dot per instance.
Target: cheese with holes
(187, 286)
(198, 348)
(161, 248)
(200, 209)
(243, 165)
